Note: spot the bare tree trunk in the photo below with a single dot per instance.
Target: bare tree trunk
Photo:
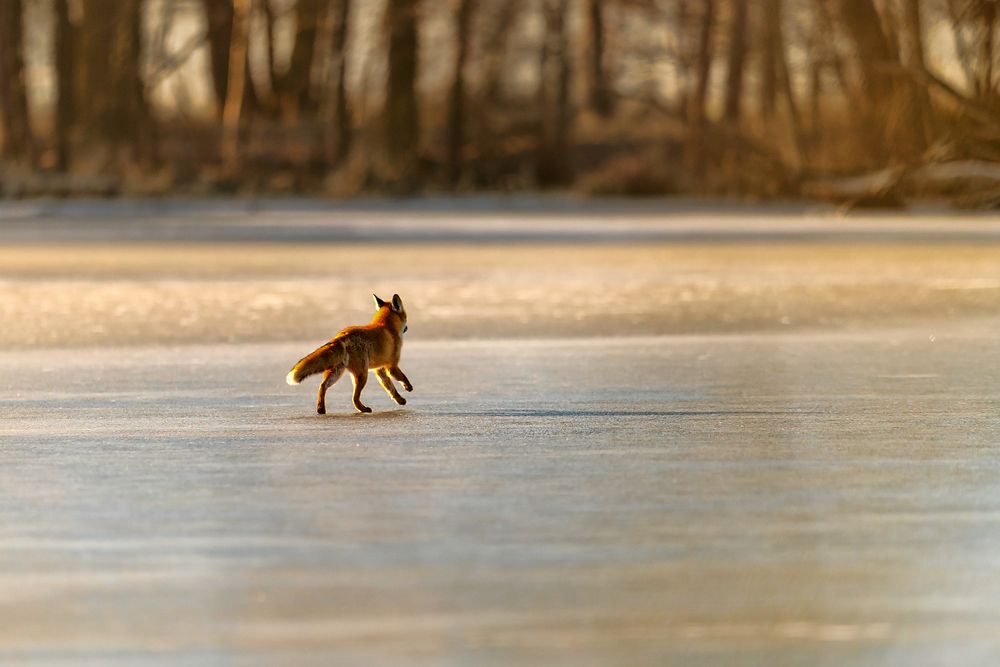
(94, 63)
(116, 116)
(219, 34)
(143, 130)
(63, 46)
(684, 28)
(495, 51)
(219, 20)
(273, 76)
(401, 116)
(456, 99)
(987, 14)
(912, 49)
(18, 143)
(601, 100)
(775, 13)
(695, 148)
(911, 38)
(818, 64)
(826, 29)
(697, 103)
(563, 116)
(553, 143)
(962, 47)
(489, 118)
(295, 89)
(768, 95)
(341, 139)
(233, 109)
(736, 61)
(815, 96)
(895, 126)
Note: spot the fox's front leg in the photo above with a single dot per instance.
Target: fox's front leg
(360, 379)
(386, 381)
(400, 377)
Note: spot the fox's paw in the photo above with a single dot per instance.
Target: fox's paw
(321, 411)
(407, 386)
(400, 401)
(364, 409)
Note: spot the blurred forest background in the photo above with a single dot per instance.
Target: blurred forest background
(855, 100)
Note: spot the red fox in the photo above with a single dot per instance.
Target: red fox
(375, 346)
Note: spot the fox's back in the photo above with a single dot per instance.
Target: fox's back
(375, 343)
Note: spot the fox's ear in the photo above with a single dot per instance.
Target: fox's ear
(378, 302)
(397, 303)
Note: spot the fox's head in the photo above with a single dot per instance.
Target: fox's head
(395, 306)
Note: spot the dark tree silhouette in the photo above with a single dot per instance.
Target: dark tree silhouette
(776, 31)
(768, 93)
(341, 133)
(495, 47)
(293, 87)
(462, 10)
(63, 45)
(703, 65)
(18, 143)
(401, 117)
(232, 112)
(986, 13)
(694, 149)
(736, 61)
(219, 32)
(601, 99)
(553, 96)
(110, 92)
(894, 124)
(912, 50)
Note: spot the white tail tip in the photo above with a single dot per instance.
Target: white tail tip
(290, 378)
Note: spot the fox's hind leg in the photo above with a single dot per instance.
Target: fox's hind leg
(386, 381)
(330, 376)
(398, 375)
(360, 379)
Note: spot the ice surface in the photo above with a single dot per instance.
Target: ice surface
(73, 294)
(774, 499)
(634, 438)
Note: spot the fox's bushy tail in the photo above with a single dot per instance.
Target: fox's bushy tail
(332, 356)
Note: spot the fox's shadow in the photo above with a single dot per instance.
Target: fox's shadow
(377, 415)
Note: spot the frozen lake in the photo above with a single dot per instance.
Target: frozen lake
(728, 448)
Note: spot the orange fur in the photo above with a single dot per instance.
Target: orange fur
(357, 350)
